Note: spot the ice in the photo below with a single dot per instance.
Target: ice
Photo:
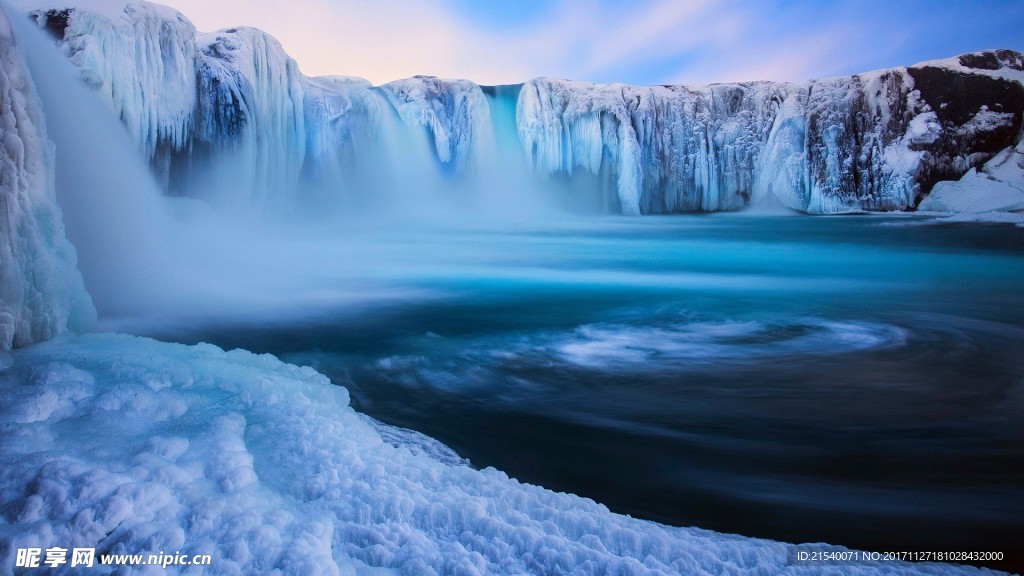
(250, 114)
(455, 112)
(112, 42)
(828, 146)
(267, 138)
(41, 291)
(135, 446)
(997, 187)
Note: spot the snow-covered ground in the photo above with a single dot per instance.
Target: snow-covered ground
(133, 446)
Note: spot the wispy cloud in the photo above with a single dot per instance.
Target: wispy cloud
(654, 41)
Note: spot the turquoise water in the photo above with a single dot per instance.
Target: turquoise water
(856, 380)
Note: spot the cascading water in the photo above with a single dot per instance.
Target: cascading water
(210, 252)
(113, 209)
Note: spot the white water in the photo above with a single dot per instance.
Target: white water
(150, 258)
(113, 210)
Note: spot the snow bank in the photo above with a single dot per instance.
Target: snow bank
(134, 446)
(41, 291)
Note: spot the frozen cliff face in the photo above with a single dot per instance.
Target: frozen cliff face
(220, 111)
(250, 121)
(229, 111)
(875, 141)
(140, 58)
(663, 148)
(978, 100)
(860, 134)
(341, 112)
(41, 291)
(455, 112)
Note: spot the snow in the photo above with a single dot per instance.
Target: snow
(251, 112)
(135, 446)
(455, 112)
(110, 42)
(848, 144)
(41, 291)
(997, 187)
(1006, 65)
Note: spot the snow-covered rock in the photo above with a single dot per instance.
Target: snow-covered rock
(997, 187)
(132, 446)
(41, 291)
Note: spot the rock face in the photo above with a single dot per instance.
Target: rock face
(41, 291)
(233, 108)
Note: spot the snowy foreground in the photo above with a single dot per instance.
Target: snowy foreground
(134, 446)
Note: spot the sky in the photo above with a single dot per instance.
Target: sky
(639, 42)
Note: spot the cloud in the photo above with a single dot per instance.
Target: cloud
(656, 41)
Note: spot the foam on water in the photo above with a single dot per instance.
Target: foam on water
(626, 347)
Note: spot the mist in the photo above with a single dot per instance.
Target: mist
(229, 246)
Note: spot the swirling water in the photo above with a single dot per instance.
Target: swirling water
(856, 380)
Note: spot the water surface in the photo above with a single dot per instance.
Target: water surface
(856, 380)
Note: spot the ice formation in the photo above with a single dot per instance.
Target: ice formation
(132, 446)
(868, 142)
(455, 112)
(110, 44)
(41, 291)
(997, 187)
(865, 142)
(250, 114)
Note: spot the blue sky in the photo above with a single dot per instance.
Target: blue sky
(640, 42)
